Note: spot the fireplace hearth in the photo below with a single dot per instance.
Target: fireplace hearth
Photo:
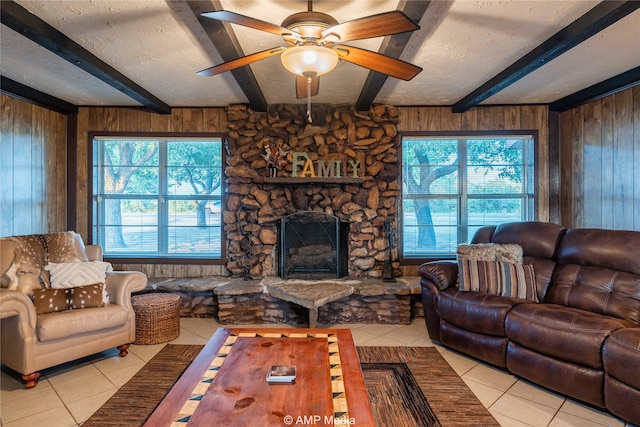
(313, 245)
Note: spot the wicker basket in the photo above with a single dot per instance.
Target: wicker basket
(157, 317)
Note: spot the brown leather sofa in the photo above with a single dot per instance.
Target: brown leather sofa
(582, 339)
(31, 341)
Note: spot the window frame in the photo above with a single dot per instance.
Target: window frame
(466, 134)
(205, 260)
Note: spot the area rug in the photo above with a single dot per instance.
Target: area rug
(447, 396)
(407, 386)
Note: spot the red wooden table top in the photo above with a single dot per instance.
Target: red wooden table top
(226, 383)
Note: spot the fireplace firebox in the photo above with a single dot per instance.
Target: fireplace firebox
(313, 245)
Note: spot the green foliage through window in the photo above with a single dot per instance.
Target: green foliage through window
(157, 197)
(451, 186)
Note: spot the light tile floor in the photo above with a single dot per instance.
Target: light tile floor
(67, 395)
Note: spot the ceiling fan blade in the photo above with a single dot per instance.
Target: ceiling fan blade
(378, 62)
(246, 21)
(301, 86)
(241, 62)
(383, 24)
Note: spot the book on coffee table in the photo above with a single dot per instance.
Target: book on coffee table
(281, 374)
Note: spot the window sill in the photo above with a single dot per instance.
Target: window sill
(165, 260)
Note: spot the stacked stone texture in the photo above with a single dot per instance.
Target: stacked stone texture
(254, 205)
(257, 308)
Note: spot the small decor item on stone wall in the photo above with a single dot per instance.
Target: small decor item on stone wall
(387, 269)
(276, 158)
(246, 244)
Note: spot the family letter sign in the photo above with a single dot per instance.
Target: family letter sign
(302, 166)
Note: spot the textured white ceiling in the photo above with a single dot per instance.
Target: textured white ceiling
(461, 44)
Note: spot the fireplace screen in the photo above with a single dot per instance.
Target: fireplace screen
(313, 245)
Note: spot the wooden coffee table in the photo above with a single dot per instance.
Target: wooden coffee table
(226, 383)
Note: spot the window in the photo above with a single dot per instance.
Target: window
(453, 185)
(157, 197)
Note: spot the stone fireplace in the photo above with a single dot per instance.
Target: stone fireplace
(343, 165)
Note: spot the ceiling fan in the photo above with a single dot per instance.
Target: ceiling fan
(314, 45)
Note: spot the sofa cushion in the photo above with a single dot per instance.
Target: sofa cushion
(475, 311)
(54, 326)
(597, 289)
(611, 249)
(498, 278)
(599, 271)
(539, 242)
(565, 333)
(538, 239)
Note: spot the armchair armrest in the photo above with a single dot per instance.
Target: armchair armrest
(16, 303)
(442, 274)
(94, 252)
(121, 284)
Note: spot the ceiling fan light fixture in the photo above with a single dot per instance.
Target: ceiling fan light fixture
(309, 61)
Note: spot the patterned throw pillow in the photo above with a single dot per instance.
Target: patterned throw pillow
(50, 300)
(85, 296)
(56, 300)
(498, 278)
(507, 252)
(73, 274)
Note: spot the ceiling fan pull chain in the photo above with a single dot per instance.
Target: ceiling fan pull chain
(309, 119)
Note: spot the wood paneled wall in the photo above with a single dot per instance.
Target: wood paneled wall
(94, 119)
(527, 117)
(600, 163)
(32, 169)
(599, 159)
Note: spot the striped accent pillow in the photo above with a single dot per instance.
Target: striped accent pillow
(498, 278)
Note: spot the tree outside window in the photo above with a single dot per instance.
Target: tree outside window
(157, 197)
(453, 185)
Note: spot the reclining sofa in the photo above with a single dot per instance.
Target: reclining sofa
(579, 332)
(59, 302)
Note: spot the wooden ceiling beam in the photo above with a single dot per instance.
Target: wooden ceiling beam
(597, 19)
(228, 47)
(392, 46)
(35, 29)
(25, 93)
(615, 84)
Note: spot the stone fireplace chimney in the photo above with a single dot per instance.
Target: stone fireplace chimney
(343, 166)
